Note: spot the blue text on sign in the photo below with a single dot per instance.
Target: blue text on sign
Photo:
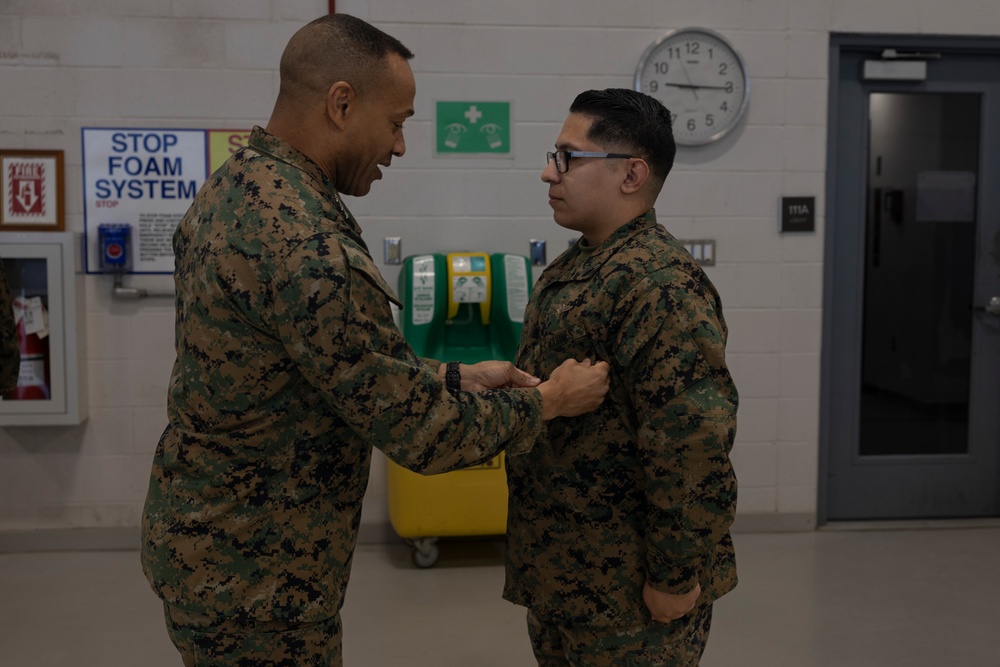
(150, 142)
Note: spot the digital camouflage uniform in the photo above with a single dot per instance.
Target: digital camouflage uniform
(10, 350)
(289, 369)
(642, 488)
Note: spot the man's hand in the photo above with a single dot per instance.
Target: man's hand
(495, 375)
(665, 607)
(574, 388)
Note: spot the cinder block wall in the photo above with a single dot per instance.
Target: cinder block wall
(187, 63)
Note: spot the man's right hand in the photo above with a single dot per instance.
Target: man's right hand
(574, 388)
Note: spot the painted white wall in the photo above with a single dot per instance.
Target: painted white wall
(187, 63)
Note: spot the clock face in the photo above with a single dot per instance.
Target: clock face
(700, 78)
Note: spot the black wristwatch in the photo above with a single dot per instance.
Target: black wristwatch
(453, 376)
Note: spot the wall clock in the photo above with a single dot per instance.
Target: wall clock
(701, 78)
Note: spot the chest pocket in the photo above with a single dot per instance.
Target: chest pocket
(557, 346)
(371, 315)
(361, 264)
(576, 341)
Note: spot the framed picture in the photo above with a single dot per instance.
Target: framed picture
(31, 197)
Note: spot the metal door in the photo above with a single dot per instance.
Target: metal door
(911, 363)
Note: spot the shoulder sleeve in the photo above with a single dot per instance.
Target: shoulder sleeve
(334, 319)
(673, 349)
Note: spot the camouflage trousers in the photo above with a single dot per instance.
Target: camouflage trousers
(206, 642)
(676, 644)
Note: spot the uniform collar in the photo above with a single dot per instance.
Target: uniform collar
(571, 265)
(266, 143)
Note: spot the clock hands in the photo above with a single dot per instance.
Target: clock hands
(692, 86)
(673, 69)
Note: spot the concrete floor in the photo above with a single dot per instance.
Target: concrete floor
(840, 598)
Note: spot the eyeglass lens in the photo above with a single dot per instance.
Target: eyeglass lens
(560, 158)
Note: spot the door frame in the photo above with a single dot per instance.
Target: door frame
(834, 298)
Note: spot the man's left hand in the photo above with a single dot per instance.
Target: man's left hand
(495, 375)
(666, 607)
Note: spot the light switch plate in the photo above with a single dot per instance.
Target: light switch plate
(702, 250)
(393, 250)
(537, 252)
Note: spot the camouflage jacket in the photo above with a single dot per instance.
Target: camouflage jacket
(642, 488)
(289, 369)
(10, 350)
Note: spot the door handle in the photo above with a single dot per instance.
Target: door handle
(993, 307)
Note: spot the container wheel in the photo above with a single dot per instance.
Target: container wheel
(425, 552)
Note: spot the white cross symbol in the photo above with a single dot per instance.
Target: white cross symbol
(473, 114)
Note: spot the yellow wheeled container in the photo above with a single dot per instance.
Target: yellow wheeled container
(465, 307)
(467, 502)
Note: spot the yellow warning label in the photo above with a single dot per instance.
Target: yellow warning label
(222, 144)
(489, 465)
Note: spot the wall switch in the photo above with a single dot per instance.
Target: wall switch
(393, 250)
(537, 252)
(708, 253)
(702, 251)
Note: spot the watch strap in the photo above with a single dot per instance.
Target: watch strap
(453, 376)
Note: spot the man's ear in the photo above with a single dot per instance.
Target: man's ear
(340, 102)
(636, 176)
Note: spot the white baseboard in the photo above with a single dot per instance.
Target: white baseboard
(69, 539)
(127, 539)
(123, 539)
(774, 523)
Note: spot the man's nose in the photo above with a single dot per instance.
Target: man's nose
(550, 174)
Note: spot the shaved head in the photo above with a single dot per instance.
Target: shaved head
(346, 89)
(333, 48)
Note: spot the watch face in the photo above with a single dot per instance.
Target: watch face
(701, 78)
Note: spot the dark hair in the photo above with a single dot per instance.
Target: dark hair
(336, 47)
(628, 121)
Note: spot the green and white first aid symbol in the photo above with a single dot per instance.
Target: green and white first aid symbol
(473, 127)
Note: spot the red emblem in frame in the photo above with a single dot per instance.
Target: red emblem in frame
(31, 191)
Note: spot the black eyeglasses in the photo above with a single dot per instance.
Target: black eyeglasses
(562, 158)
